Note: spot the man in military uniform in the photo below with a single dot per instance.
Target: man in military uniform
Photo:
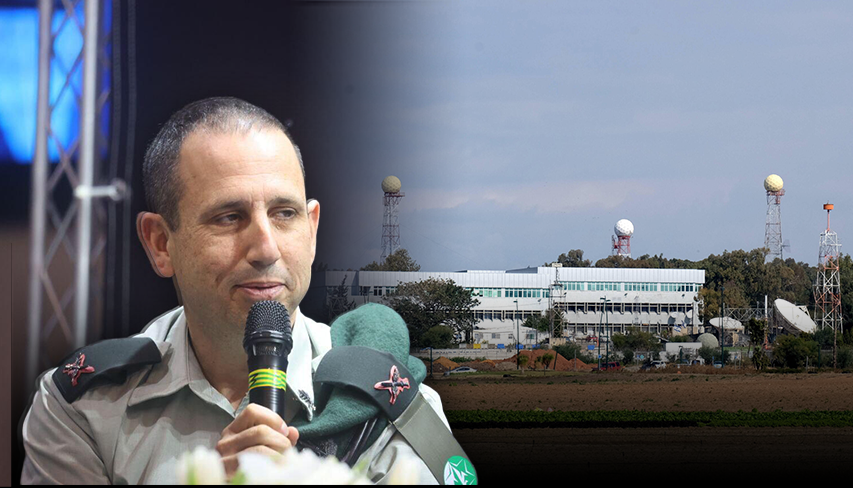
(231, 225)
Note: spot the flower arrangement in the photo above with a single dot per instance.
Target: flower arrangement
(203, 466)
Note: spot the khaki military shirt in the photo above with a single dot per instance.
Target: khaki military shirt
(135, 432)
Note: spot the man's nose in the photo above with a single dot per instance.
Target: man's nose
(263, 248)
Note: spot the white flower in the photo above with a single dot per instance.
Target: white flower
(204, 466)
(297, 468)
(201, 467)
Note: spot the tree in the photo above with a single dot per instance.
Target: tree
(792, 351)
(438, 337)
(573, 259)
(542, 323)
(432, 302)
(546, 360)
(757, 330)
(398, 260)
(635, 340)
(522, 361)
(708, 354)
(337, 302)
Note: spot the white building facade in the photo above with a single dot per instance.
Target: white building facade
(595, 302)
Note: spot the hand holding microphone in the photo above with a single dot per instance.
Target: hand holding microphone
(267, 341)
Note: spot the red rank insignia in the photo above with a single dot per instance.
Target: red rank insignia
(75, 369)
(395, 385)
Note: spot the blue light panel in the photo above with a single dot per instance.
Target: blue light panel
(19, 83)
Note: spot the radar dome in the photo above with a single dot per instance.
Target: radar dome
(391, 184)
(624, 228)
(773, 183)
(708, 340)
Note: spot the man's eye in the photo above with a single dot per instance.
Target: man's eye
(227, 219)
(287, 213)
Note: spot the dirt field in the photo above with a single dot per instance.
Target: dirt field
(647, 391)
(644, 454)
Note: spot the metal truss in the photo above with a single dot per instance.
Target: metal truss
(390, 226)
(827, 291)
(773, 224)
(745, 314)
(63, 235)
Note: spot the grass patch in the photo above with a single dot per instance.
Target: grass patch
(632, 418)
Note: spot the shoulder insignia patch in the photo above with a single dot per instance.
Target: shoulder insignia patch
(102, 363)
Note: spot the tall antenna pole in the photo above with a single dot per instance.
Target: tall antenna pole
(827, 291)
(773, 222)
(390, 228)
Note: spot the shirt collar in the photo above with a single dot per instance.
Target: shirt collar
(180, 367)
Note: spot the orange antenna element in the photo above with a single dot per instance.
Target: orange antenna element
(828, 207)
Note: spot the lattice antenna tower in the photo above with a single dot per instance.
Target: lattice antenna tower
(773, 223)
(390, 227)
(827, 291)
(624, 229)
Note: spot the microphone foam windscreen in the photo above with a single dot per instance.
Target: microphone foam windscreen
(268, 315)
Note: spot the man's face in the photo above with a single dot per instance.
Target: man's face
(246, 232)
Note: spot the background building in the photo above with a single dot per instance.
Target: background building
(654, 300)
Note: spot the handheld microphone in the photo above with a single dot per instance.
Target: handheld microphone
(268, 340)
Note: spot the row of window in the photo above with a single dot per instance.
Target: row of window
(486, 292)
(594, 307)
(526, 293)
(612, 286)
(544, 292)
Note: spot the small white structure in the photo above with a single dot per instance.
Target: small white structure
(773, 183)
(391, 184)
(729, 323)
(686, 350)
(708, 340)
(624, 229)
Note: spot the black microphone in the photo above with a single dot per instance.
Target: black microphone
(268, 341)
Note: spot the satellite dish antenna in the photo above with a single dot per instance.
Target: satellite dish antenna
(786, 247)
(794, 318)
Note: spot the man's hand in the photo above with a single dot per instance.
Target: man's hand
(256, 429)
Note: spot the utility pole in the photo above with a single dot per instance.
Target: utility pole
(722, 325)
(551, 291)
(518, 337)
(604, 302)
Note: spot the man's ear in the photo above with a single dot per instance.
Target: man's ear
(314, 218)
(154, 235)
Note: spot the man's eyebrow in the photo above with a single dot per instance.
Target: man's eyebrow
(237, 204)
(282, 201)
(221, 206)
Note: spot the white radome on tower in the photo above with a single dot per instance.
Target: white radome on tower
(624, 228)
(773, 183)
(391, 184)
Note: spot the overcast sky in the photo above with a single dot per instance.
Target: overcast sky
(521, 130)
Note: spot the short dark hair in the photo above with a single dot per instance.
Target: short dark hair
(160, 179)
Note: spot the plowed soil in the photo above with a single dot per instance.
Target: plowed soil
(686, 454)
(647, 391)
